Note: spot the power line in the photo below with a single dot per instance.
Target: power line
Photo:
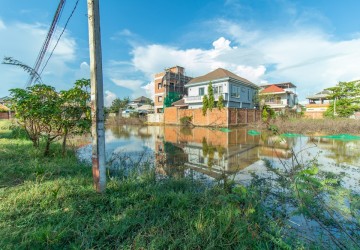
(62, 32)
(47, 40)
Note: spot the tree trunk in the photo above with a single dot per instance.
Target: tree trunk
(64, 142)
(47, 146)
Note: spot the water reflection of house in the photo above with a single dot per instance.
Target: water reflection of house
(212, 152)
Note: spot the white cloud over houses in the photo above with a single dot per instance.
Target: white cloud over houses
(310, 58)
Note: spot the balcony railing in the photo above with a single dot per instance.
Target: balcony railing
(195, 99)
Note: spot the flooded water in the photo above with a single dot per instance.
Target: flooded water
(239, 156)
(213, 154)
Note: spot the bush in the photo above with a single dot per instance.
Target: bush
(186, 120)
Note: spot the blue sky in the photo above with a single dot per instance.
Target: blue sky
(313, 44)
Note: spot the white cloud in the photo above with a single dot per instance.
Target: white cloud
(109, 98)
(149, 89)
(83, 71)
(154, 58)
(2, 25)
(308, 57)
(23, 42)
(133, 85)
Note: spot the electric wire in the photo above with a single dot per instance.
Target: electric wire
(58, 40)
(47, 41)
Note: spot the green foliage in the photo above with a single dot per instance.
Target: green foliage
(205, 105)
(186, 120)
(118, 104)
(170, 98)
(45, 113)
(267, 113)
(346, 98)
(220, 103)
(264, 115)
(211, 103)
(75, 110)
(38, 111)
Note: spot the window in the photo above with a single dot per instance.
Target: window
(201, 91)
(218, 89)
(159, 98)
(235, 91)
(159, 85)
(248, 94)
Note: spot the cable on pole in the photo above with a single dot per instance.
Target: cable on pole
(47, 41)
(58, 40)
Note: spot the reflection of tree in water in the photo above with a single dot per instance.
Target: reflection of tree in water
(121, 132)
(185, 130)
(209, 150)
(175, 160)
(125, 132)
(143, 135)
(341, 151)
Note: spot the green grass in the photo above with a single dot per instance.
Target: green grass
(50, 203)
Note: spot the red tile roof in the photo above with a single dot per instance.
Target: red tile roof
(272, 89)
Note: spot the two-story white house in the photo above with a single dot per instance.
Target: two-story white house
(279, 96)
(237, 92)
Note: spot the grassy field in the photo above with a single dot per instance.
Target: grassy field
(49, 203)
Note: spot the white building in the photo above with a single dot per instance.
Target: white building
(237, 92)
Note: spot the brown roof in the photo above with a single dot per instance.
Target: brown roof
(141, 99)
(272, 89)
(219, 74)
(179, 103)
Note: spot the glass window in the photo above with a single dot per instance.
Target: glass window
(159, 85)
(159, 98)
(201, 91)
(233, 91)
(218, 89)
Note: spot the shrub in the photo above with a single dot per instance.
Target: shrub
(186, 120)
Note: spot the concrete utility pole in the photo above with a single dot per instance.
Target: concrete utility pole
(97, 98)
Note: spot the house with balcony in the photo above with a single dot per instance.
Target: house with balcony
(279, 96)
(237, 92)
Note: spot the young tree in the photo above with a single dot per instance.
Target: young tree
(220, 103)
(211, 103)
(45, 113)
(38, 112)
(205, 105)
(75, 110)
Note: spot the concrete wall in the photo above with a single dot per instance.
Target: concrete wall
(314, 114)
(155, 118)
(221, 118)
